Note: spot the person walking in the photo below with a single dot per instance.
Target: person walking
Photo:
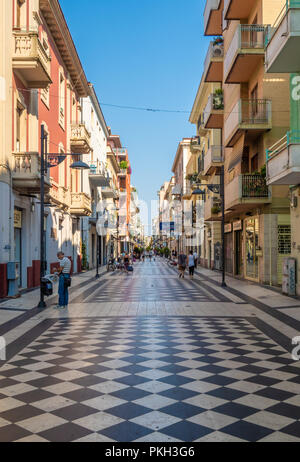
(64, 280)
(191, 263)
(195, 259)
(182, 260)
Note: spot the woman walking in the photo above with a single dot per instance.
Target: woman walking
(191, 263)
(182, 264)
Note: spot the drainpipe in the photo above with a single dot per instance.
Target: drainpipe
(10, 212)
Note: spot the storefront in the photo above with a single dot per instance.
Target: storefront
(238, 248)
(251, 248)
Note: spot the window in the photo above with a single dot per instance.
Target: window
(61, 98)
(20, 127)
(19, 4)
(284, 239)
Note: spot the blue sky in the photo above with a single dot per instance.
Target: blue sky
(145, 53)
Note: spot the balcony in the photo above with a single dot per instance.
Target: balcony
(110, 191)
(80, 139)
(187, 190)
(245, 53)
(212, 208)
(31, 60)
(237, 9)
(26, 172)
(251, 116)
(246, 191)
(122, 172)
(283, 160)
(80, 204)
(284, 39)
(98, 174)
(213, 65)
(213, 17)
(213, 116)
(213, 159)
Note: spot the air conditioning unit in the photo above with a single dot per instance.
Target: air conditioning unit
(218, 51)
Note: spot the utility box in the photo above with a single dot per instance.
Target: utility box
(12, 277)
(289, 276)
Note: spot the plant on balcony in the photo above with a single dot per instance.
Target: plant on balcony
(192, 177)
(123, 165)
(215, 210)
(218, 41)
(218, 102)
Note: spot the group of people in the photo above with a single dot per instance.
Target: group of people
(187, 261)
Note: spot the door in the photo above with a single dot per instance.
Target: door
(251, 244)
(18, 253)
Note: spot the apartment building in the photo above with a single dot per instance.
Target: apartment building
(182, 196)
(94, 180)
(44, 81)
(208, 154)
(283, 157)
(254, 114)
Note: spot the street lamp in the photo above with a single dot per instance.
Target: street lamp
(220, 189)
(78, 165)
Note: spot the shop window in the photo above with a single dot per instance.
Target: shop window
(284, 239)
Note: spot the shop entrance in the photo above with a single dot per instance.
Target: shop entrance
(239, 264)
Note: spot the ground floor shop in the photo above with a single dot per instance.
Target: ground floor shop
(256, 245)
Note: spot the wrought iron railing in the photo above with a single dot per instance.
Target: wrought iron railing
(255, 111)
(254, 186)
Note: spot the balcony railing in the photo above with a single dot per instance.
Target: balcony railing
(247, 114)
(283, 38)
(213, 158)
(283, 160)
(80, 139)
(246, 189)
(214, 104)
(26, 171)
(31, 59)
(98, 174)
(254, 186)
(213, 65)
(248, 44)
(80, 204)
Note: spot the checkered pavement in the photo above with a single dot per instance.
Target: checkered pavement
(151, 379)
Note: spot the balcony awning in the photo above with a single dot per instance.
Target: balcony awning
(237, 153)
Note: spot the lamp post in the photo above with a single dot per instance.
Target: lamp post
(218, 188)
(59, 157)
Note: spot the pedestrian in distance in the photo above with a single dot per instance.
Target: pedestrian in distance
(195, 259)
(182, 260)
(191, 263)
(64, 280)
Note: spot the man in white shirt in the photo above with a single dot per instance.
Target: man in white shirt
(64, 275)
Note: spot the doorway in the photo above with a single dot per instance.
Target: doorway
(239, 264)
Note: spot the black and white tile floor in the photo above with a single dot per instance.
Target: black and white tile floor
(139, 379)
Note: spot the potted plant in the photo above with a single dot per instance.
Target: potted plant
(218, 102)
(123, 165)
(218, 41)
(215, 209)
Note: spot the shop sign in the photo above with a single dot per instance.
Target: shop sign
(17, 218)
(228, 228)
(238, 225)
